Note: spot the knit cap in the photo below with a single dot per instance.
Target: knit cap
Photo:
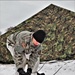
(39, 35)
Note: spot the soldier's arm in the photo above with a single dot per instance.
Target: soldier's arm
(18, 57)
(39, 49)
(19, 52)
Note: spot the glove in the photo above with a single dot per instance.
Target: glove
(21, 71)
(40, 74)
(29, 71)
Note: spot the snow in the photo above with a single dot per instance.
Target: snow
(49, 68)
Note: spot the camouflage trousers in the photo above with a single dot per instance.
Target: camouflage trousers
(32, 63)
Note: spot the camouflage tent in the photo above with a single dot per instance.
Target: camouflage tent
(59, 25)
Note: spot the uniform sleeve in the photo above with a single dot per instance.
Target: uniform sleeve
(39, 49)
(18, 56)
(19, 52)
(18, 59)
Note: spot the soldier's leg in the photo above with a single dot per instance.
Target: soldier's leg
(35, 68)
(33, 63)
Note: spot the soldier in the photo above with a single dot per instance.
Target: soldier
(25, 48)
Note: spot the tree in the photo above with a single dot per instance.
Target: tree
(8, 29)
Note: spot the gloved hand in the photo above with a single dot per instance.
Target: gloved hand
(40, 74)
(21, 71)
(29, 71)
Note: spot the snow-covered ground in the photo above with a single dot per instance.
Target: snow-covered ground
(49, 68)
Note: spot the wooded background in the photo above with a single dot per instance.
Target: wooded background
(59, 25)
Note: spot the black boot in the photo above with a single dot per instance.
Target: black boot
(40, 73)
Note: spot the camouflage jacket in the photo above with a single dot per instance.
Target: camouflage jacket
(23, 44)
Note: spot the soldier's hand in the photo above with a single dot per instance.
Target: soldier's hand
(29, 71)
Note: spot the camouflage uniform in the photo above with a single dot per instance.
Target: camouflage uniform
(21, 42)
